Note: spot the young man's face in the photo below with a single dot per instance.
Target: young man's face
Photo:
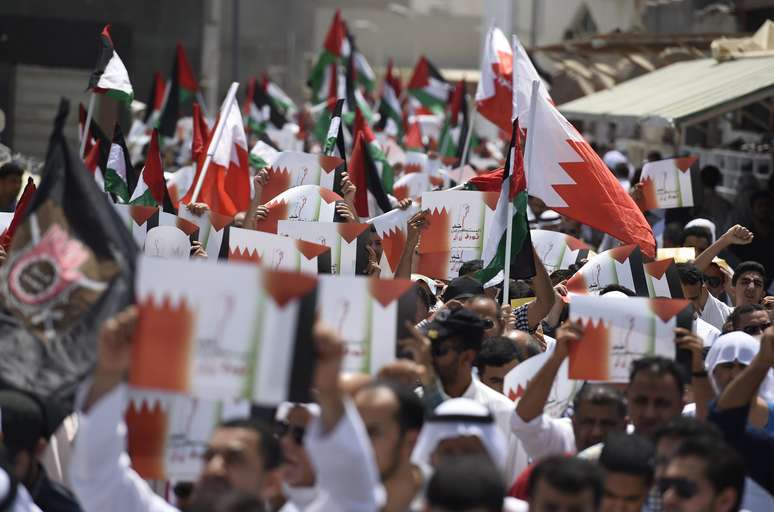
(494, 376)
(653, 401)
(694, 293)
(487, 309)
(724, 373)
(624, 492)
(592, 423)
(448, 360)
(547, 498)
(749, 289)
(10, 186)
(686, 489)
(233, 461)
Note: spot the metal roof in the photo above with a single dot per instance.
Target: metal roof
(680, 94)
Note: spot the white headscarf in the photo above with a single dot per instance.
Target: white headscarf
(460, 417)
(703, 223)
(737, 346)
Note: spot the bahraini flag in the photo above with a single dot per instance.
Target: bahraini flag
(493, 96)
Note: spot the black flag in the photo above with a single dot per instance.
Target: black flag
(70, 267)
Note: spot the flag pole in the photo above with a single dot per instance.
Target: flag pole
(202, 105)
(508, 239)
(230, 98)
(472, 116)
(85, 133)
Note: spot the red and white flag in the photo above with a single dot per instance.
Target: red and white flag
(226, 187)
(572, 179)
(524, 73)
(493, 96)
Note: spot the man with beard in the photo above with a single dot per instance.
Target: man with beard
(242, 454)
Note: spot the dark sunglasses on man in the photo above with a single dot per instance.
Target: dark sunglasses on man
(713, 281)
(752, 330)
(684, 488)
(283, 428)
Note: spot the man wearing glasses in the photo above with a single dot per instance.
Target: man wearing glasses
(752, 319)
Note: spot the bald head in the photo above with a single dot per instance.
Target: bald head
(487, 309)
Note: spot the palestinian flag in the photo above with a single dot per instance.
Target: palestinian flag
(428, 87)
(95, 133)
(201, 136)
(120, 177)
(260, 109)
(92, 163)
(278, 97)
(385, 170)
(155, 100)
(334, 138)
(151, 189)
(110, 76)
(364, 175)
(455, 128)
(182, 87)
(513, 192)
(365, 75)
(335, 47)
(390, 111)
(70, 268)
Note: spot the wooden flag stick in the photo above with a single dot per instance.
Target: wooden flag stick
(508, 238)
(85, 132)
(230, 98)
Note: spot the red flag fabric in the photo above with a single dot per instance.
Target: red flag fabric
(201, 134)
(357, 174)
(18, 214)
(494, 93)
(572, 179)
(184, 72)
(413, 139)
(337, 33)
(152, 173)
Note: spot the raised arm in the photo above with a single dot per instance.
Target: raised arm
(253, 213)
(702, 390)
(736, 235)
(416, 224)
(544, 294)
(534, 400)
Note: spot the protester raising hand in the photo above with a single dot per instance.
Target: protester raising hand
(416, 225)
(114, 354)
(736, 235)
(344, 211)
(702, 389)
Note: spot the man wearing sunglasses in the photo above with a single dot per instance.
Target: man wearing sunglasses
(709, 309)
(703, 476)
(752, 319)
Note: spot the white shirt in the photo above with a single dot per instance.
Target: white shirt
(344, 464)
(100, 472)
(706, 331)
(544, 435)
(715, 312)
(503, 410)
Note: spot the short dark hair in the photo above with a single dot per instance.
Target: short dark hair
(685, 427)
(467, 482)
(271, 453)
(689, 274)
(736, 315)
(697, 231)
(710, 176)
(23, 422)
(496, 351)
(617, 288)
(600, 394)
(629, 454)
(659, 366)
(427, 298)
(411, 411)
(723, 466)
(11, 168)
(471, 266)
(519, 289)
(571, 475)
(654, 156)
(748, 266)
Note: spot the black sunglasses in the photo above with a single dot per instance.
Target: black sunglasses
(283, 428)
(713, 281)
(684, 488)
(752, 330)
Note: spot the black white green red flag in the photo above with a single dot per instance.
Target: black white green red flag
(120, 177)
(335, 47)
(151, 189)
(455, 127)
(390, 110)
(110, 76)
(428, 86)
